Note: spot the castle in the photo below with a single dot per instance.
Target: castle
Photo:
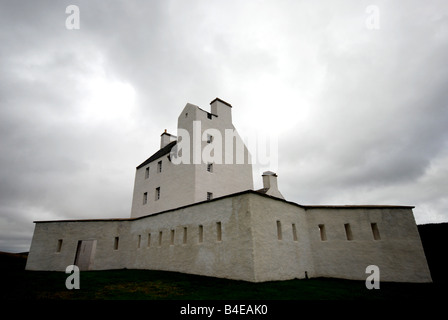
(194, 210)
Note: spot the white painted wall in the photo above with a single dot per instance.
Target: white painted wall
(249, 248)
(184, 184)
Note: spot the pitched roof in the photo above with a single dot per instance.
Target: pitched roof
(165, 150)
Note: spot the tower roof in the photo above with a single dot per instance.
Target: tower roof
(165, 150)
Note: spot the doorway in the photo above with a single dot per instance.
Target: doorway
(84, 254)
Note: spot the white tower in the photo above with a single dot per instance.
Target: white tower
(207, 159)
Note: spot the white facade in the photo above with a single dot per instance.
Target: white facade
(187, 218)
(246, 236)
(161, 184)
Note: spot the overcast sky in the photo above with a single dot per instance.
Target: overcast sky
(357, 98)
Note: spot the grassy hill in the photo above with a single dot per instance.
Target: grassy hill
(18, 284)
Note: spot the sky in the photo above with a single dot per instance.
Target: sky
(355, 92)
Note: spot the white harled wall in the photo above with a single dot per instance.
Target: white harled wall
(257, 241)
(182, 184)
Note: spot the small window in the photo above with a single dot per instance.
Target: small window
(210, 167)
(323, 233)
(375, 231)
(116, 241)
(218, 231)
(139, 241)
(209, 138)
(147, 173)
(172, 237)
(186, 115)
(348, 231)
(149, 240)
(157, 193)
(279, 230)
(59, 247)
(294, 232)
(160, 238)
(159, 166)
(145, 198)
(200, 234)
(185, 235)
(209, 196)
(209, 115)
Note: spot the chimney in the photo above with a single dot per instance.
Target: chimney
(270, 184)
(165, 139)
(221, 109)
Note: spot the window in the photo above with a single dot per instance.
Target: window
(172, 238)
(323, 233)
(375, 231)
(157, 193)
(186, 115)
(145, 198)
(348, 231)
(279, 230)
(147, 173)
(116, 240)
(139, 240)
(185, 235)
(160, 238)
(209, 196)
(294, 232)
(210, 167)
(209, 138)
(159, 166)
(201, 234)
(209, 115)
(59, 247)
(149, 240)
(218, 231)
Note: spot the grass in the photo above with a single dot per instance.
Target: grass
(19, 284)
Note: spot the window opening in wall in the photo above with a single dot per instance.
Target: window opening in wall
(160, 238)
(279, 230)
(59, 247)
(172, 238)
(201, 233)
(149, 240)
(294, 232)
(323, 233)
(209, 196)
(159, 166)
(116, 240)
(185, 235)
(375, 231)
(348, 231)
(157, 193)
(210, 167)
(218, 231)
(209, 115)
(145, 198)
(147, 173)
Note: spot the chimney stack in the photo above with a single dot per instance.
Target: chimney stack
(270, 184)
(221, 109)
(165, 139)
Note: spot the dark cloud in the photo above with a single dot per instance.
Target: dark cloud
(361, 115)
